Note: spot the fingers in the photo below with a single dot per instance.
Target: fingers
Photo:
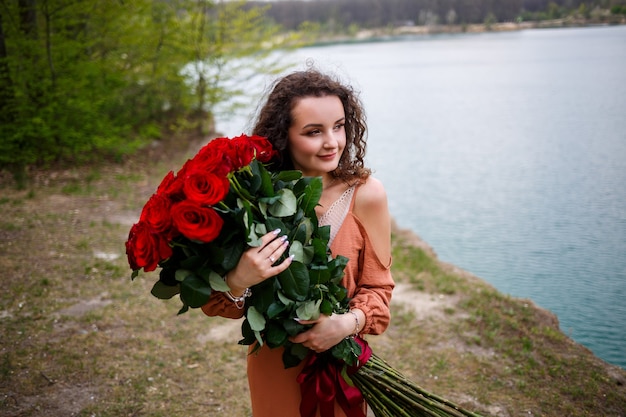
(272, 249)
(269, 237)
(273, 246)
(261, 263)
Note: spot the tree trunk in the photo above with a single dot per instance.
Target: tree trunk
(28, 18)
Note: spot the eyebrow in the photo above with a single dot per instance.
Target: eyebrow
(343, 119)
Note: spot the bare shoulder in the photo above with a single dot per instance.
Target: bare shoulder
(371, 208)
(371, 197)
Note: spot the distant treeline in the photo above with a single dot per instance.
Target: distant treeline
(338, 14)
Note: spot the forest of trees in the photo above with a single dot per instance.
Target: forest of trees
(85, 79)
(342, 14)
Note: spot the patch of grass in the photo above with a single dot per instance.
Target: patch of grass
(9, 227)
(430, 276)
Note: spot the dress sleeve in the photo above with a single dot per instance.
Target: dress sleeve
(220, 305)
(373, 287)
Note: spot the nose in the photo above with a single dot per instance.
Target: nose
(330, 141)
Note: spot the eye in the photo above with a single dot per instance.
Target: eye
(339, 126)
(313, 132)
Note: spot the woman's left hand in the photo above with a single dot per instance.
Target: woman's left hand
(327, 331)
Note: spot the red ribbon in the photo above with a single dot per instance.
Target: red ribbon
(321, 384)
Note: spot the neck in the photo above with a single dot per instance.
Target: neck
(328, 181)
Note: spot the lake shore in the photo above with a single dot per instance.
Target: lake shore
(385, 34)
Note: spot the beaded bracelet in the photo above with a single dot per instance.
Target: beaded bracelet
(356, 324)
(240, 301)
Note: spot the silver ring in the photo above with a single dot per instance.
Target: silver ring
(271, 258)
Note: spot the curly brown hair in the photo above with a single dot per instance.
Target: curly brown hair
(275, 118)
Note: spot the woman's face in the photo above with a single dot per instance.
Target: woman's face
(317, 135)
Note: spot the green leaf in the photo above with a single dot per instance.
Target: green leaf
(269, 200)
(326, 307)
(296, 249)
(319, 274)
(292, 327)
(258, 337)
(284, 299)
(183, 309)
(347, 350)
(163, 291)
(304, 231)
(254, 240)
(181, 274)
(273, 223)
(217, 282)
(256, 319)
(232, 253)
(263, 295)
(288, 176)
(324, 233)
(195, 291)
(192, 262)
(307, 253)
(320, 249)
(299, 351)
(275, 309)
(286, 206)
(267, 188)
(247, 333)
(294, 281)
(299, 188)
(338, 291)
(255, 181)
(309, 310)
(312, 195)
(275, 336)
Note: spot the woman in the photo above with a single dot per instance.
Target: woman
(317, 125)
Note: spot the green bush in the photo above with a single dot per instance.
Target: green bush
(87, 79)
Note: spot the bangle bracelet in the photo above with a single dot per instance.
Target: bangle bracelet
(240, 301)
(356, 324)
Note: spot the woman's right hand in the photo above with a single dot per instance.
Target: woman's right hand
(258, 264)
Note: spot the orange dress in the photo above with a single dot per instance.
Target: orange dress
(274, 390)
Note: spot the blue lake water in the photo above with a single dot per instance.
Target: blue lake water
(506, 152)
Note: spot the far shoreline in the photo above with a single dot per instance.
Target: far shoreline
(414, 31)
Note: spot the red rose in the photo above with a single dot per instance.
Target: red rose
(205, 187)
(171, 186)
(156, 213)
(243, 151)
(146, 249)
(196, 222)
(216, 156)
(264, 150)
(166, 183)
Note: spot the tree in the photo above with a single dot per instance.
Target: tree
(86, 79)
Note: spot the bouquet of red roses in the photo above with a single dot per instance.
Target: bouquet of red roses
(195, 228)
(200, 220)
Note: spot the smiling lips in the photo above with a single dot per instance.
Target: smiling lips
(328, 157)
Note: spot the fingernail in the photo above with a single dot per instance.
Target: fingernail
(296, 319)
(291, 257)
(277, 231)
(283, 238)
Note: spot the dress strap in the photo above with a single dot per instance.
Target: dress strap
(337, 212)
